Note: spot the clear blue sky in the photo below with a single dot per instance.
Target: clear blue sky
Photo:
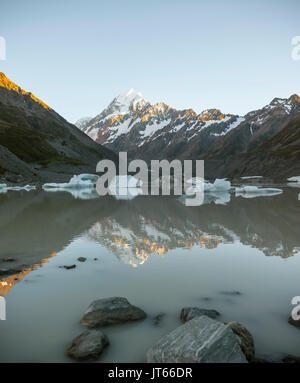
(78, 55)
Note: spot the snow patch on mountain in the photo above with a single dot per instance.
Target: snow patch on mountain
(232, 126)
(152, 129)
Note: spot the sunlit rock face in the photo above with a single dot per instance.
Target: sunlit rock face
(33, 136)
(7, 84)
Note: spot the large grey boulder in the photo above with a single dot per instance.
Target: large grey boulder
(111, 311)
(201, 340)
(89, 345)
(189, 313)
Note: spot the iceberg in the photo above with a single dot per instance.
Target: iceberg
(199, 184)
(125, 182)
(251, 177)
(255, 191)
(217, 192)
(294, 179)
(125, 187)
(4, 188)
(81, 181)
(293, 185)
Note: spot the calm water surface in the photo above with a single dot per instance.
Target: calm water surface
(156, 252)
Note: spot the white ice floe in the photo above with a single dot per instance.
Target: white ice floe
(294, 179)
(217, 192)
(125, 187)
(4, 188)
(255, 191)
(82, 181)
(293, 184)
(198, 184)
(125, 182)
(251, 177)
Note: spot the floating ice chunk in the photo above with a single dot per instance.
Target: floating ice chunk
(222, 184)
(222, 198)
(18, 188)
(251, 177)
(294, 184)
(254, 191)
(199, 184)
(4, 188)
(82, 181)
(125, 187)
(195, 180)
(294, 179)
(125, 182)
(128, 193)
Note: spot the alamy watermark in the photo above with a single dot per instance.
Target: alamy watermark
(296, 49)
(296, 310)
(2, 49)
(163, 178)
(2, 308)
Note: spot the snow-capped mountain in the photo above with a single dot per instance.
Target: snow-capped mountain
(130, 123)
(258, 126)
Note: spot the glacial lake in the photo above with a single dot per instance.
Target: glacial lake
(159, 254)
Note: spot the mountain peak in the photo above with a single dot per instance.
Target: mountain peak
(129, 101)
(6, 83)
(211, 114)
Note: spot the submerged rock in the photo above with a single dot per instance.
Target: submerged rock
(111, 311)
(158, 318)
(81, 259)
(294, 322)
(88, 345)
(201, 340)
(8, 259)
(247, 342)
(69, 267)
(189, 313)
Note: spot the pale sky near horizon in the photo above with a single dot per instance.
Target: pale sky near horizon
(78, 55)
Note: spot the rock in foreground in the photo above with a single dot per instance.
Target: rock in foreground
(201, 340)
(111, 311)
(189, 313)
(88, 345)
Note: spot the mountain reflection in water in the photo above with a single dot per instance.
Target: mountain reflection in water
(37, 226)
